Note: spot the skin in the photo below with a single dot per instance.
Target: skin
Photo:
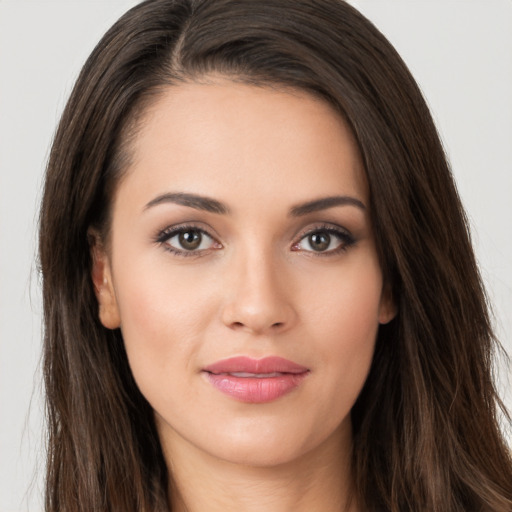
(256, 286)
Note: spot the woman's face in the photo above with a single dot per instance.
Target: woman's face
(243, 272)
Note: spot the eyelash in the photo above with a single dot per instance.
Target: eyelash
(165, 235)
(345, 238)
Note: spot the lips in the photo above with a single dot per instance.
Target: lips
(255, 380)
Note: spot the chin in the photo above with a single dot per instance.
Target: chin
(269, 445)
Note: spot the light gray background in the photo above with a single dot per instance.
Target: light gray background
(459, 51)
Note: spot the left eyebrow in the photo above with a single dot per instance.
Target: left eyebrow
(324, 203)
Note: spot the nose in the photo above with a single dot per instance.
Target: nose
(258, 298)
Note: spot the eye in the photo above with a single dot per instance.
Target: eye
(187, 240)
(325, 240)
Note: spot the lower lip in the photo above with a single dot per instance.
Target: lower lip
(256, 390)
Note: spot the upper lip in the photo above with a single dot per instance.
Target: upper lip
(267, 365)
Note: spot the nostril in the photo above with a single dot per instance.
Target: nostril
(240, 325)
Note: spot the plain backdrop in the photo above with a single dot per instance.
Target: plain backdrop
(460, 51)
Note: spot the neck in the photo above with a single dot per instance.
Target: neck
(318, 480)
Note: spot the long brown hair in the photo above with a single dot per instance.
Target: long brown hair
(426, 425)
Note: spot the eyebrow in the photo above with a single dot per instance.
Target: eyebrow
(191, 200)
(209, 204)
(324, 203)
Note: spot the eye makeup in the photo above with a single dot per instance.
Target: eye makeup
(194, 241)
(324, 240)
(191, 240)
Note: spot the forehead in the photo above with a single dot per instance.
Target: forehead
(230, 140)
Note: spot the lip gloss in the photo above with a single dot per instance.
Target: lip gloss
(255, 380)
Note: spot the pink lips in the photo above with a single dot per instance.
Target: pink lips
(255, 380)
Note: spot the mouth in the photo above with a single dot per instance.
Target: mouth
(255, 380)
(253, 375)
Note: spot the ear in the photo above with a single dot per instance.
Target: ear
(101, 275)
(387, 307)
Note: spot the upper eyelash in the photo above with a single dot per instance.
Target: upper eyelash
(168, 232)
(347, 238)
(164, 235)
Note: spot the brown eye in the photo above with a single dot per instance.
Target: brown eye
(319, 241)
(190, 240)
(324, 241)
(187, 241)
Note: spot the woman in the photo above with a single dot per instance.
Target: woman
(258, 282)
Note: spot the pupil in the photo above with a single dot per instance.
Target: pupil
(319, 241)
(190, 240)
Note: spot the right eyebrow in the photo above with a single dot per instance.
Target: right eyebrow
(195, 201)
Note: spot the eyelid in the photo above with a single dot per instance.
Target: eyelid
(346, 237)
(343, 234)
(164, 235)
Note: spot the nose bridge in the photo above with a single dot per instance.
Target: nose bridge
(257, 300)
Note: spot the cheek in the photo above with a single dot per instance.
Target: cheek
(162, 318)
(345, 319)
